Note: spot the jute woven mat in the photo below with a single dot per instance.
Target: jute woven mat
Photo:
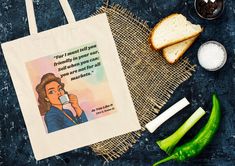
(151, 80)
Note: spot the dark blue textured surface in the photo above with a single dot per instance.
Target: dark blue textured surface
(15, 145)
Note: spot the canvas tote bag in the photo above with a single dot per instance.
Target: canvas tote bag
(70, 84)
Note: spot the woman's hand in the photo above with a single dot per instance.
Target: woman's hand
(74, 102)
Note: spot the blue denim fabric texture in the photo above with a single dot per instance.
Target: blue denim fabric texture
(56, 120)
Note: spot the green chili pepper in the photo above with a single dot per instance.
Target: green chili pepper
(199, 142)
(168, 144)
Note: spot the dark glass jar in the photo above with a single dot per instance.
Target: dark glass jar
(209, 9)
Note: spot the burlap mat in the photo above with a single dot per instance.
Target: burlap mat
(151, 80)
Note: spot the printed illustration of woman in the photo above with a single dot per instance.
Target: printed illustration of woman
(49, 90)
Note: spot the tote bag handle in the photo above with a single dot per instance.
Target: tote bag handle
(31, 16)
(65, 6)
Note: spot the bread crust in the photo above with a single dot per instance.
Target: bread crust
(180, 55)
(171, 43)
(151, 33)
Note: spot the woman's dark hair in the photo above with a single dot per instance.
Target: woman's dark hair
(44, 106)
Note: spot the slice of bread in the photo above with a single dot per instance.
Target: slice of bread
(172, 29)
(174, 52)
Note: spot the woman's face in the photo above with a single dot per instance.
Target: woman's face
(53, 91)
